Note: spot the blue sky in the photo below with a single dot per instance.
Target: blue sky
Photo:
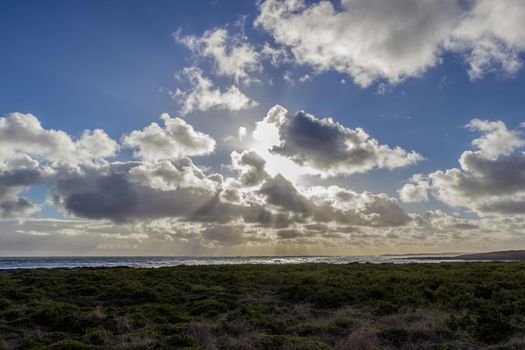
(116, 66)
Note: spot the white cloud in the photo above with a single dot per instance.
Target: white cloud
(233, 55)
(240, 138)
(368, 40)
(175, 140)
(415, 191)
(242, 133)
(171, 174)
(495, 138)
(277, 56)
(491, 36)
(305, 78)
(204, 96)
(374, 40)
(22, 134)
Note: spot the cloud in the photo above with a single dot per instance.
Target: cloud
(496, 139)
(482, 184)
(171, 174)
(16, 207)
(29, 152)
(251, 167)
(12, 182)
(224, 235)
(281, 193)
(288, 234)
(373, 40)
(330, 148)
(146, 191)
(490, 36)
(23, 135)
(490, 179)
(175, 140)
(233, 56)
(239, 139)
(203, 95)
(415, 191)
(361, 209)
(162, 196)
(437, 232)
(277, 56)
(135, 191)
(440, 220)
(163, 184)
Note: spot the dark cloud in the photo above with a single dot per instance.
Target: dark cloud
(224, 235)
(280, 192)
(252, 167)
(15, 207)
(12, 182)
(289, 234)
(331, 148)
(19, 177)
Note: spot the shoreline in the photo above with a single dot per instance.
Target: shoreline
(8, 263)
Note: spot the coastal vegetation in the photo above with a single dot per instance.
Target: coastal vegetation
(307, 306)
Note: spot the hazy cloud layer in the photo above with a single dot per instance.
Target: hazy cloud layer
(436, 231)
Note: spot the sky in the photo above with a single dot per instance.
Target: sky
(275, 127)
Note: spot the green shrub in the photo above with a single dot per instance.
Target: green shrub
(71, 345)
(395, 336)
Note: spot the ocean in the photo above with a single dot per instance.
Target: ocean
(163, 261)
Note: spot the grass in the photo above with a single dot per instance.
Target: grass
(355, 306)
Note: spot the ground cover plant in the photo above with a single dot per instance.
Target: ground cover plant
(355, 306)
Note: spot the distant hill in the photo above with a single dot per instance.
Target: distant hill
(499, 255)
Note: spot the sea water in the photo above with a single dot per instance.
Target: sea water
(162, 261)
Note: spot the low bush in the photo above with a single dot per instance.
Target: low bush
(354, 306)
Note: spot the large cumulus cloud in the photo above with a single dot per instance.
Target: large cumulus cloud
(161, 195)
(328, 147)
(29, 152)
(490, 179)
(178, 189)
(374, 40)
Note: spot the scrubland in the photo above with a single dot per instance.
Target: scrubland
(355, 306)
